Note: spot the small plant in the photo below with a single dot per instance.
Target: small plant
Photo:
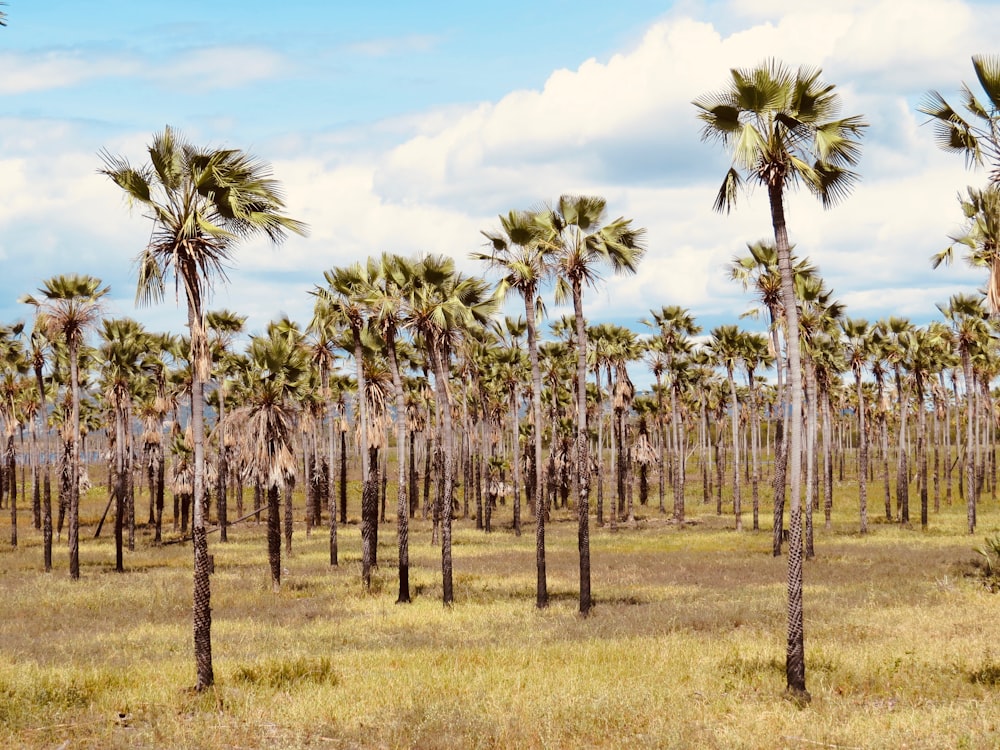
(280, 673)
(987, 674)
(990, 564)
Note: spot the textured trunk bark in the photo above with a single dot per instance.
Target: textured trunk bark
(795, 666)
(582, 451)
(541, 586)
(274, 536)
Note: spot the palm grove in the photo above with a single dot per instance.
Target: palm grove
(409, 375)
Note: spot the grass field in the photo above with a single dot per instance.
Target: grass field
(685, 648)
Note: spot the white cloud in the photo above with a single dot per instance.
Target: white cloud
(221, 67)
(623, 128)
(53, 69)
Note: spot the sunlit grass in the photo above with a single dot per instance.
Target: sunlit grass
(685, 647)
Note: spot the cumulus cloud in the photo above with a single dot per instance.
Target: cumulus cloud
(622, 127)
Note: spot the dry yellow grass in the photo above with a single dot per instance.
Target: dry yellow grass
(684, 650)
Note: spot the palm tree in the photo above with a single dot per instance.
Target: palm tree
(981, 238)
(323, 333)
(759, 270)
(346, 293)
(726, 348)
(755, 355)
(518, 252)
(392, 278)
(39, 349)
(675, 325)
(13, 388)
(928, 356)
(858, 347)
(977, 135)
(969, 333)
(277, 372)
(781, 130)
(581, 241)
(69, 306)
(224, 326)
(896, 339)
(442, 302)
(202, 203)
(125, 346)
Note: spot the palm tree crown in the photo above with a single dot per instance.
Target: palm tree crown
(781, 129)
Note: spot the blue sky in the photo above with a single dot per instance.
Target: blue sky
(408, 127)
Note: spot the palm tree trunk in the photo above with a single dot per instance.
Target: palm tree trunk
(734, 416)
(274, 536)
(221, 488)
(541, 590)
(402, 504)
(582, 457)
(970, 447)
(448, 472)
(47, 518)
(74, 466)
(332, 494)
(795, 666)
(202, 605)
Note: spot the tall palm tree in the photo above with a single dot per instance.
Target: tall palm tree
(582, 242)
(13, 388)
(125, 346)
(759, 270)
(69, 307)
(202, 202)
(858, 349)
(224, 325)
(782, 130)
(675, 325)
(896, 338)
(442, 302)
(726, 347)
(39, 350)
(323, 332)
(391, 280)
(347, 293)
(754, 355)
(523, 259)
(277, 372)
(928, 357)
(976, 136)
(969, 332)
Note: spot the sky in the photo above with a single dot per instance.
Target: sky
(409, 127)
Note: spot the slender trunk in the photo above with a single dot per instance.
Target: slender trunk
(582, 457)
(862, 455)
(74, 465)
(795, 666)
(118, 481)
(970, 446)
(448, 473)
(734, 417)
(332, 429)
(202, 600)
(274, 535)
(780, 433)
(222, 490)
(922, 450)
(810, 446)
(541, 590)
(47, 519)
(402, 504)
(902, 458)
